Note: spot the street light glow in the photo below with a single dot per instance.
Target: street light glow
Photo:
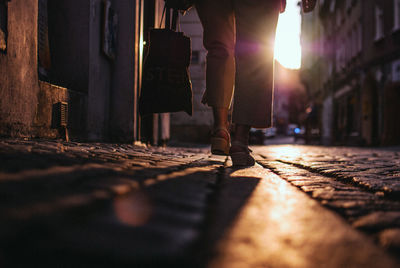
(287, 41)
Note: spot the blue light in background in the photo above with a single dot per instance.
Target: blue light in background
(297, 130)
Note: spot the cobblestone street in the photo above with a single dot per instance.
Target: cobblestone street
(362, 185)
(97, 204)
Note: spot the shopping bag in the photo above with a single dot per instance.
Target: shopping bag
(166, 85)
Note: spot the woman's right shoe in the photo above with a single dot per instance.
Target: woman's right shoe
(220, 144)
(240, 155)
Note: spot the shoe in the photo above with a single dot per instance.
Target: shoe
(240, 155)
(220, 145)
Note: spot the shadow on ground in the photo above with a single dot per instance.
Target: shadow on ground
(66, 211)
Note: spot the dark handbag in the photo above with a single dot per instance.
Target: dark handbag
(308, 5)
(166, 85)
(182, 5)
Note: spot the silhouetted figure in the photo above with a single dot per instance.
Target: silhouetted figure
(239, 37)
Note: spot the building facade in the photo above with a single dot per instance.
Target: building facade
(72, 67)
(290, 99)
(353, 70)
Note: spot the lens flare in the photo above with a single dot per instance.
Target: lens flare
(287, 40)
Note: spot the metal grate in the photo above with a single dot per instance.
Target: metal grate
(60, 115)
(63, 114)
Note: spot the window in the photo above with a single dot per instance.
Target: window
(378, 75)
(396, 71)
(338, 18)
(3, 26)
(337, 59)
(348, 5)
(396, 9)
(44, 58)
(359, 37)
(330, 68)
(353, 37)
(348, 48)
(340, 56)
(356, 44)
(378, 23)
(332, 6)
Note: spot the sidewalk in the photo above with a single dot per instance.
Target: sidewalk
(96, 204)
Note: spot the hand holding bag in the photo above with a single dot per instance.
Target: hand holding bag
(166, 85)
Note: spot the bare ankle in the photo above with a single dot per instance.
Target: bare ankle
(220, 118)
(242, 134)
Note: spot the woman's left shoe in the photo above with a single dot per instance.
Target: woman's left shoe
(240, 154)
(220, 144)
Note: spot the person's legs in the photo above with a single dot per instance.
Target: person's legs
(218, 23)
(241, 134)
(255, 34)
(239, 150)
(256, 22)
(220, 118)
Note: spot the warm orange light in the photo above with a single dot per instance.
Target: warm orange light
(133, 210)
(287, 41)
(283, 152)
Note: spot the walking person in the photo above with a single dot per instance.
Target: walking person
(239, 36)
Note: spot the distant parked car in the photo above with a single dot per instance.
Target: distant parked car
(257, 136)
(299, 132)
(290, 129)
(270, 132)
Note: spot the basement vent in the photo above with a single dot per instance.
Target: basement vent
(60, 115)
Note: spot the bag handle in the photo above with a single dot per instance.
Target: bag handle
(167, 13)
(175, 16)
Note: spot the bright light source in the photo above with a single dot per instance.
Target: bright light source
(287, 41)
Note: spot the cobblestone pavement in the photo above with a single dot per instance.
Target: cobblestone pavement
(97, 204)
(109, 203)
(362, 185)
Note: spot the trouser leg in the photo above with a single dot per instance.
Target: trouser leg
(256, 22)
(218, 22)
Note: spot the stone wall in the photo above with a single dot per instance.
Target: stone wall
(19, 87)
(26, 103)
(100, 90)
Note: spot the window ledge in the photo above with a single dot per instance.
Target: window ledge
(396, 29)
(378, 39)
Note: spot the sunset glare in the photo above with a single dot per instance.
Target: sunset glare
(287, 42)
